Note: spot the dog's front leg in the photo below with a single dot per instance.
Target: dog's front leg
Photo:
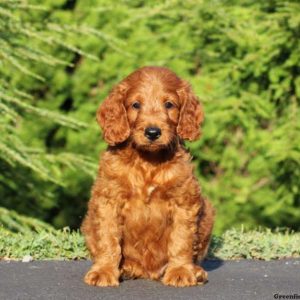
(181, 271)
(102, 235)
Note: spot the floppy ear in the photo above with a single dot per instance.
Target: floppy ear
(112, 116)
(191, 114)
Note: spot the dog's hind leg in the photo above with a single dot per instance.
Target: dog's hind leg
(205, 229)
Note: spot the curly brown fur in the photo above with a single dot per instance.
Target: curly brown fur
(146, 216)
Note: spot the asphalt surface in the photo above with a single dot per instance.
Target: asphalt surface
(232, 280)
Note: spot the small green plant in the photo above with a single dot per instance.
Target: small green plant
(256, 244)
(45, 244)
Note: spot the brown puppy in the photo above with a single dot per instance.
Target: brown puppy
(146, 217)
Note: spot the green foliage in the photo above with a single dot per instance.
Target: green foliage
(60, 244)
(16, 58)
(255, 244)
(242, 58)
(233, 244)
(17, 156)
(14, 222)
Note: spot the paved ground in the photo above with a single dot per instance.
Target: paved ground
(230, 280)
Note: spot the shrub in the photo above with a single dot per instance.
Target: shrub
(242, 58)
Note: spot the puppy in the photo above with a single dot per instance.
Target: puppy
(146, 217)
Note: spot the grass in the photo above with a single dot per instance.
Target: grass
(256, 244)
(69, 245)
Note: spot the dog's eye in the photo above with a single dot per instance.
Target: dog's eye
(168, 104)
(136, 105)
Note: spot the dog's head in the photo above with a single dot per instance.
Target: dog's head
(152, 107)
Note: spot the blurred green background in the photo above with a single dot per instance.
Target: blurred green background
(60, 58)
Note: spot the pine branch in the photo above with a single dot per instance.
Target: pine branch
(51, 115)
(15, 222)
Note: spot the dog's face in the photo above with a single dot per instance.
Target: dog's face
(153, 113)
(152, 107)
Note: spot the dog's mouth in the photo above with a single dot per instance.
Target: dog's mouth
(154, 146)
(157, 152)
(151, 146)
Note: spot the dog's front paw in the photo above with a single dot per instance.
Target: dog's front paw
(180, 276)
(102, 277)
(200, 274)
(131, 269)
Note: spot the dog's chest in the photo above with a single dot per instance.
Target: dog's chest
(144, 183)
(146, 209)
(146, 212)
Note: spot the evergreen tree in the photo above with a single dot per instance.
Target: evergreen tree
(25, 42)
(241, 57)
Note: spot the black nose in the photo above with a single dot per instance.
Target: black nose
(152, 133)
